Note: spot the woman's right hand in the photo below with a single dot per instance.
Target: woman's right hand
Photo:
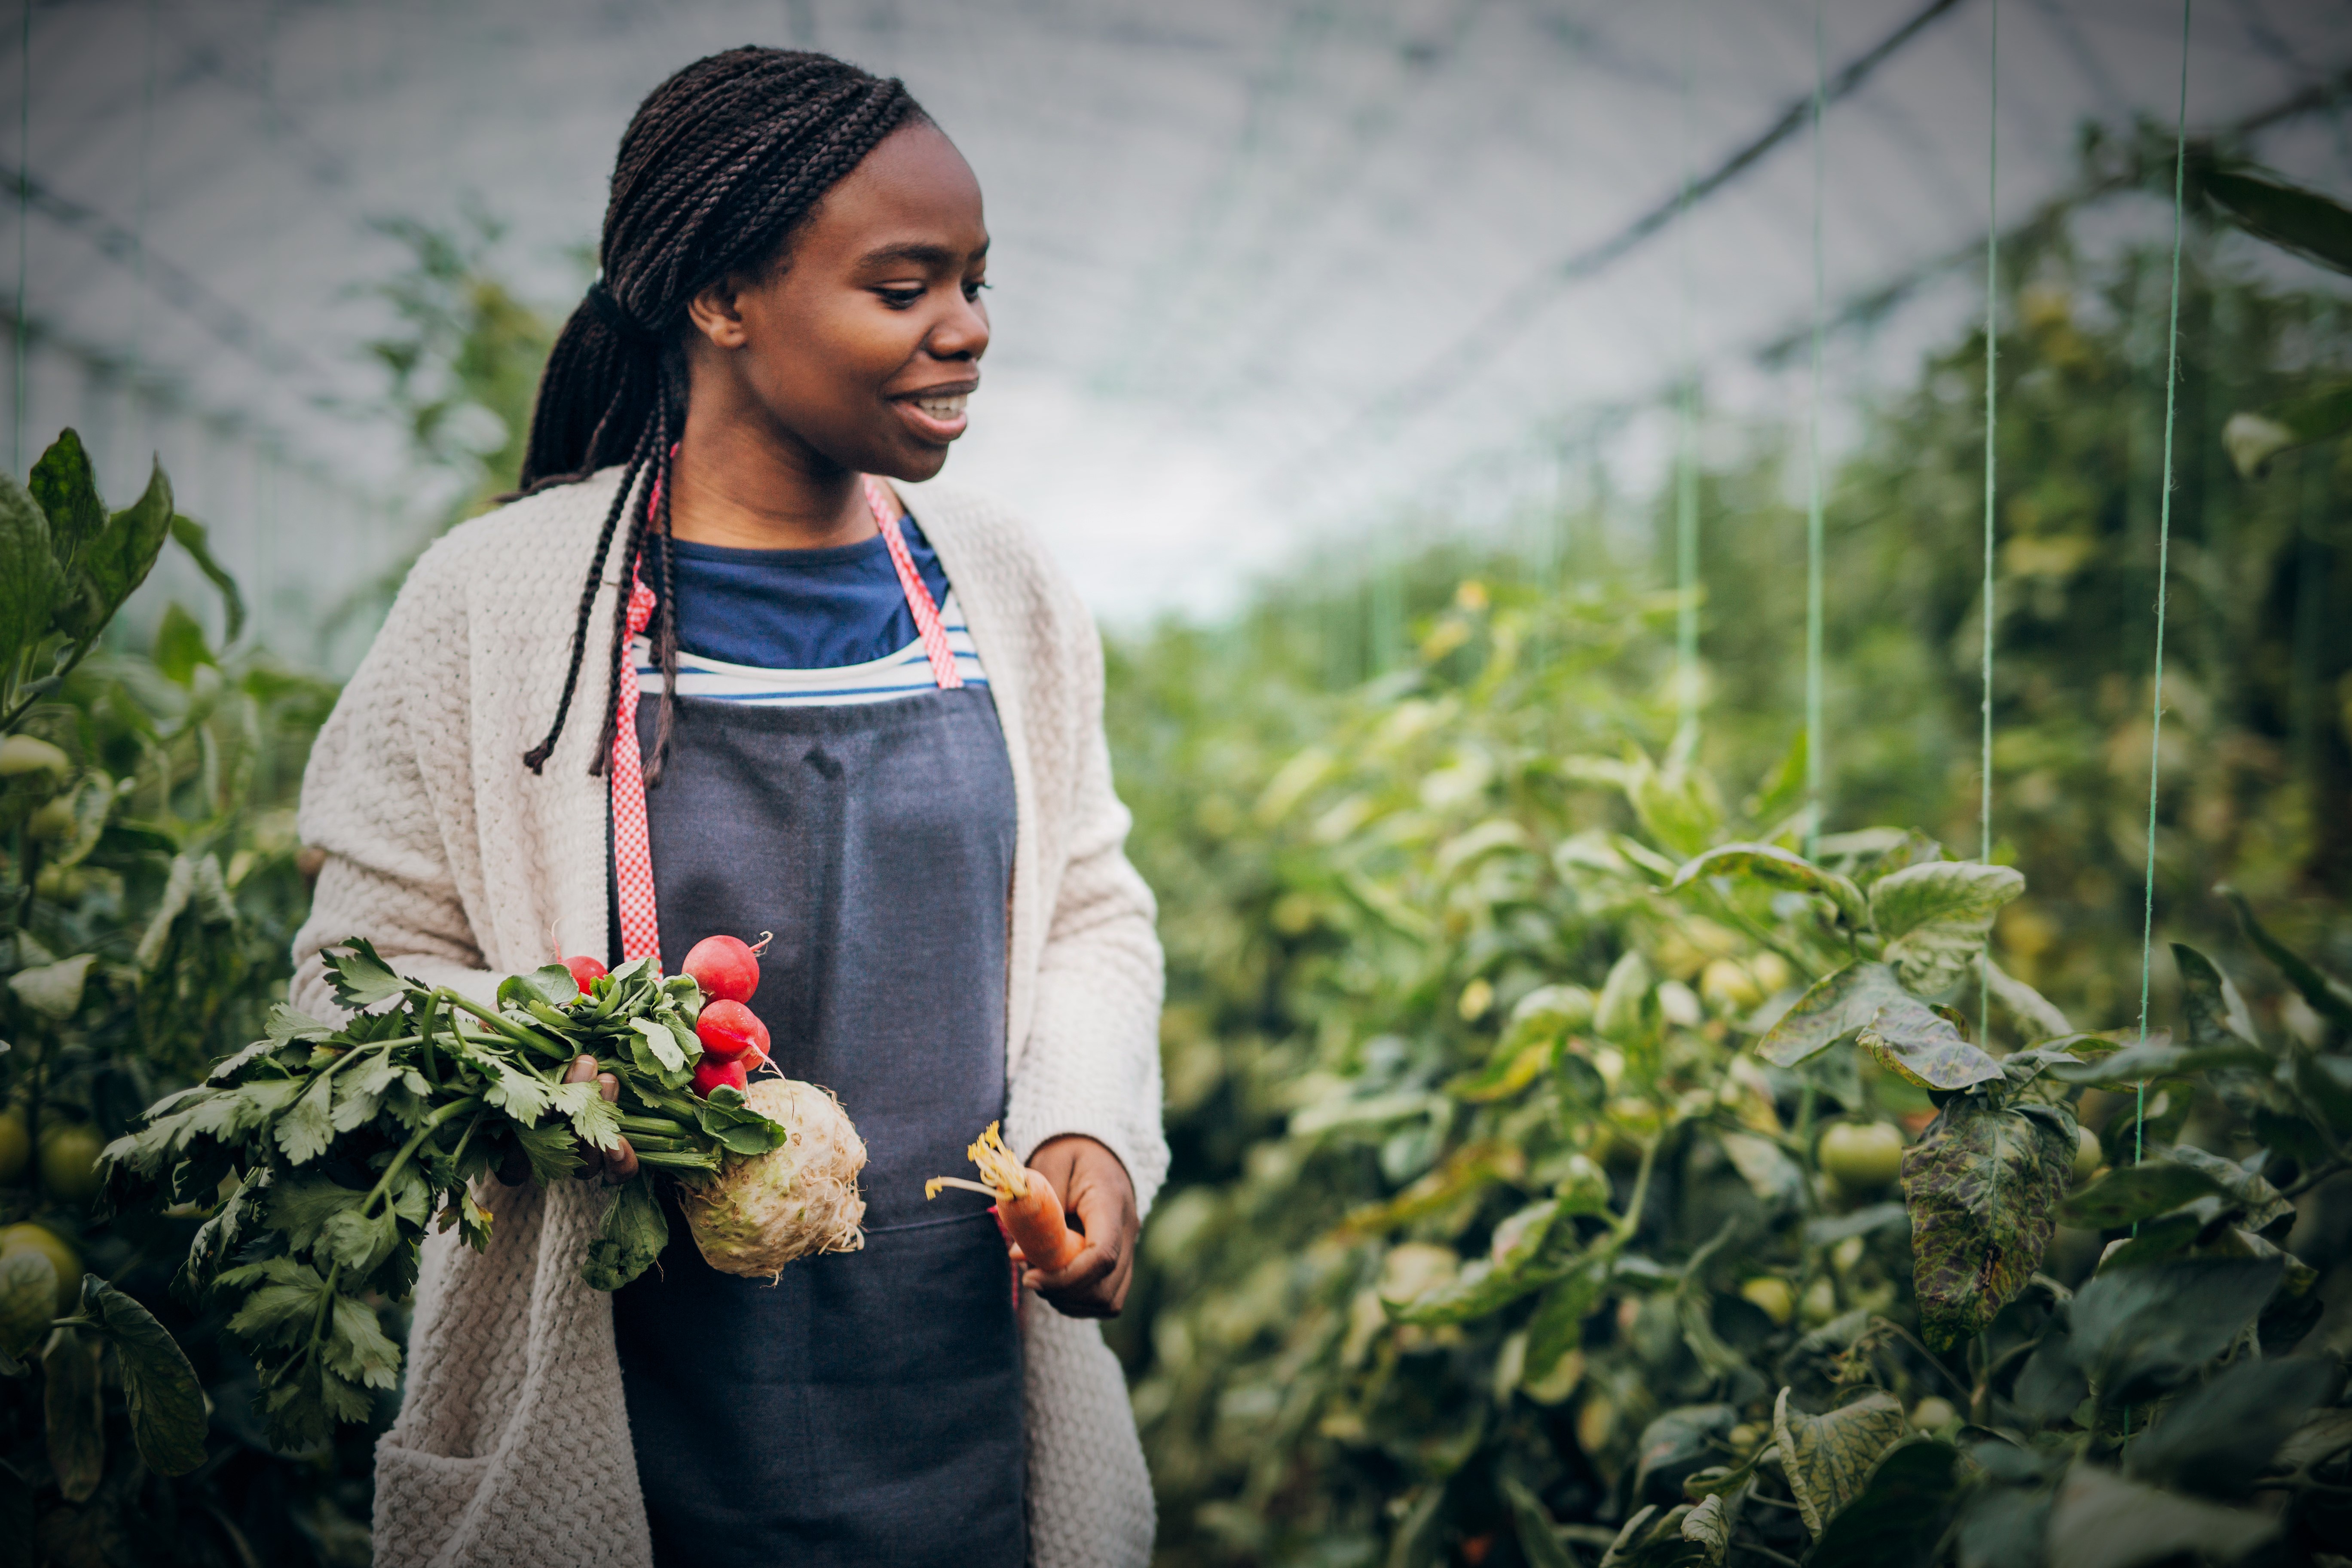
(616, 1166)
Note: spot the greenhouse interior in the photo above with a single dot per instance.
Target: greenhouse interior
(1722, 632)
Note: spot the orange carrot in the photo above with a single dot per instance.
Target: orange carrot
(1026, 1205)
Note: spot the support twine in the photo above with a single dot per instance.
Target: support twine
(1814, 761)
(2163, 565)
(1991, 492)
(1686, 451)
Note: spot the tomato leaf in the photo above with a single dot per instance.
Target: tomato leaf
(1936, 915)
(2130, 1193)
(2328, 996)
(1917, 1043)
(191, 537)
(1834, 1008)
(27, 574)
(2138, 1332)
(1900, 1513)
(2288, 215)
(1772, 867)
(73, 1402)
(1828, 1458)
(1982, 1186)
(166, 1403)
(2102, 1521)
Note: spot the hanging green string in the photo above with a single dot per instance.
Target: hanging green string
(139, 212)
(24, 226)
(1813, 741)
(1991, 492)
(1687, 452)
(2163, 565)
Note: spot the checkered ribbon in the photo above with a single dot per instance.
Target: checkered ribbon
(919, 597)
(632, 857)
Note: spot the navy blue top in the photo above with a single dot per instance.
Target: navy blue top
(799, 609)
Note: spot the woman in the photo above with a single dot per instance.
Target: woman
(871, 728)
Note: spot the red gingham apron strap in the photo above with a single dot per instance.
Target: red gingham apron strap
(919, 596)
(633, 860)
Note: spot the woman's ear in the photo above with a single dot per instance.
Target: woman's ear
(717, 314)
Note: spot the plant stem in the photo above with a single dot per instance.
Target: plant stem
(677, 1159)
(1631, 1221)
(424, 1038)
(507, 1027)
(431, 1125)
(653, 1126)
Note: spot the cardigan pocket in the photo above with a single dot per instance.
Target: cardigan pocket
(424, 1504)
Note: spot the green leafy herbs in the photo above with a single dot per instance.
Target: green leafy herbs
(346, 1146)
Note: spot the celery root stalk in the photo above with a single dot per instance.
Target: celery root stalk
(1026, 1202)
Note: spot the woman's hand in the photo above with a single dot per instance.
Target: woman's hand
(1099, 1201)
(617, 1166)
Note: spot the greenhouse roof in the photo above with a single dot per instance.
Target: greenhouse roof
(1264, 271)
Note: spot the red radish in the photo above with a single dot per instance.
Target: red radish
(585, 971)
(710, 1073)
(726, 967)
(755, 1057)
(1027, 1208)
(730, 1029)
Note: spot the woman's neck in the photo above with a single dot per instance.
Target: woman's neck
(742, 489)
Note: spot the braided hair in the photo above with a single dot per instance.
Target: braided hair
(721, 164)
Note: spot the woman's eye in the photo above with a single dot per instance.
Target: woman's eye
(899, 299)
(971, 290)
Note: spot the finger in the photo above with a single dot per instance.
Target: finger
(620, 1163)
(1077, 1287)
(608, 1085)
(582, 1070)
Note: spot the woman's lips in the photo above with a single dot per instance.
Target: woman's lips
(939, 417)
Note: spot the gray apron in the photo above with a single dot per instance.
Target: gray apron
(865, 1409)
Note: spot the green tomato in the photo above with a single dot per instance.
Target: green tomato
(21, 754)
(2088, 1155)
(1778, 1301)
(69, 1162)
(54, 823)
(1861, 1155)
(15, 1147)
(40, 1239)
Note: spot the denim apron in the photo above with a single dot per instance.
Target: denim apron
(865, 1409)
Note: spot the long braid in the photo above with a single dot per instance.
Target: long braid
(721, 164)
(621, 673)
(664, 633)
(536, 758)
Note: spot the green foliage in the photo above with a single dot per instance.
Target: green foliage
(149, 888)
(1444, 944)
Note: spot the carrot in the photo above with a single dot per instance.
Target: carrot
(1026, 1205)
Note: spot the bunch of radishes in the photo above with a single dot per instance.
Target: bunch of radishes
(734, 1041)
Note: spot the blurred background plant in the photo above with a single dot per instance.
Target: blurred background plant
(1400, 886)
(149, 888)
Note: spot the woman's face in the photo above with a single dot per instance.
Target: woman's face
(862, 349)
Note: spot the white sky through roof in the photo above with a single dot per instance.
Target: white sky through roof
(1240, 248)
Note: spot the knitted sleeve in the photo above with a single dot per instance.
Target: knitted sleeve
(1091, 1063)
(394, 822)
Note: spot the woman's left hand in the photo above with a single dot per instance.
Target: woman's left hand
(1100, 1199)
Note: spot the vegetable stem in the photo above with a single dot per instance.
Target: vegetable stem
(531, 1038)
(677, 1160)
(653, 1126)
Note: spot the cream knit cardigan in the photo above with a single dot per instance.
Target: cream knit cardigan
(512, 1444)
